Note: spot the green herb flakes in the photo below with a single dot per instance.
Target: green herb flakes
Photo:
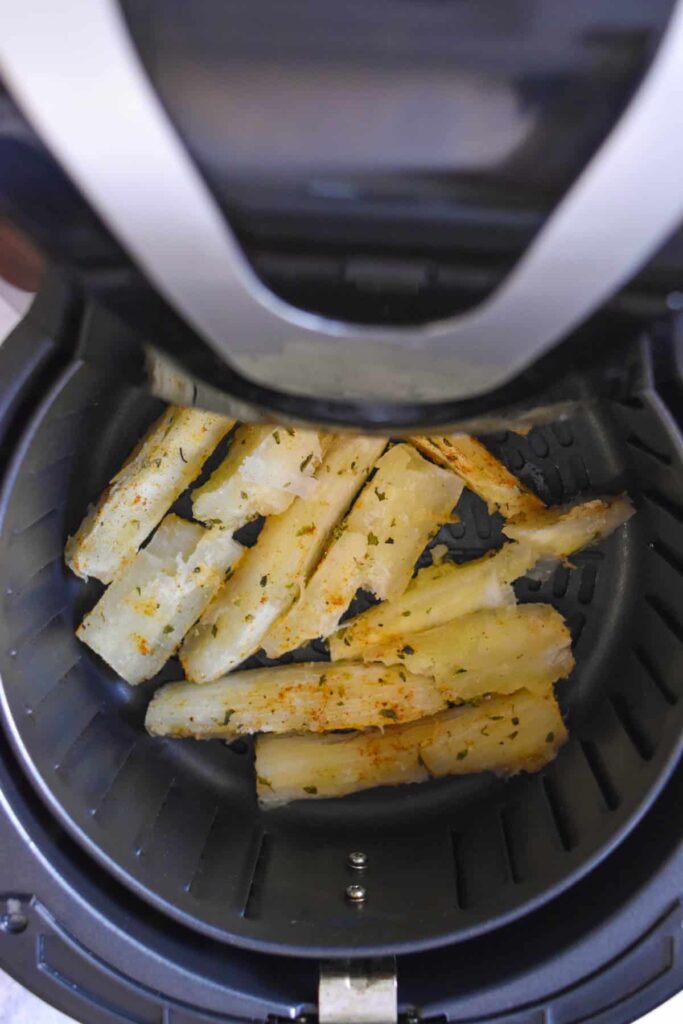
(389, 713)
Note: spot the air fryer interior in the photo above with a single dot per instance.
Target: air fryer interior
(177, 821)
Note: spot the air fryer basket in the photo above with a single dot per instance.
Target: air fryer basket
(177, 821)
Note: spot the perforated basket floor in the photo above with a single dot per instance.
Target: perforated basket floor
(177, 821)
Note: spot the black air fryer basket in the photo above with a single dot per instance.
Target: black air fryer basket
(141, 882)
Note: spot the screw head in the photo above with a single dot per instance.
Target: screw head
(358, 860)
(14, 923)
(356, 893)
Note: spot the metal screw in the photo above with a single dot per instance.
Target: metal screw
(13, 921)
(358, 860)
(356, 893)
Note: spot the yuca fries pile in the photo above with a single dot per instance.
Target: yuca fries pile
(445, 675)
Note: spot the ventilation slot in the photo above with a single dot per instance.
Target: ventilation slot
(589, 575)
(666, 554)
(665, 504)
(461, 895)
(642, 743)
(508, 846)
(644, 660)
(145, 837)
(560, 581)
(252, 906)
(561, 819)
(114, 777)
(639, 445)
(202, 858)
(599, 772)
(79, 738)
(669, 620)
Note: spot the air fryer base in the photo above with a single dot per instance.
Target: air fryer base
(605, 952)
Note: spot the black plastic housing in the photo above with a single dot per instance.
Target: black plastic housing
(604, 950)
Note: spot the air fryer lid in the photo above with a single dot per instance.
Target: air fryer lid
(177, 821)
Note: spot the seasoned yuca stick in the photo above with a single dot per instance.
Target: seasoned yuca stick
(482, 472)
(390, 524)
(316, 697)
(519, 732)
(559, 532)
(265, 469)
(165, 462)
(493, 650)
(143, 615)
(438, 594)
(271, 574)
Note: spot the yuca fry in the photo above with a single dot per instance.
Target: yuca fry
(559, 532)
(482, 472)
(315, 697)
(519, 732)
(143, 615)
(265, 469)
(271, 574)
(493, 650)
(381, 539)
(164, 463)
(438, 594)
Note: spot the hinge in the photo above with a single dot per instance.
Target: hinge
(358, 992)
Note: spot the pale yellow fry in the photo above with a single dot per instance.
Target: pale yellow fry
(438, 594)
(559, 532)
(164, 463)
(482, 472)
(496, 650)
(390, 524)
(314, 697)
(265, 469)
(271, 574)
(143, 615)
(519, 732)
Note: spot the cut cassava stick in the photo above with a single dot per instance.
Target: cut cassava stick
(559, 532)
(273, 571)
(438, 594)
(143, 615)
(519, 732)
(493, 650)
(265, 469)
(379, 542)
(314, 697)
(482, 472)
(165, 462)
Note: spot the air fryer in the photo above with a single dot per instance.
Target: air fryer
(139, 879)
